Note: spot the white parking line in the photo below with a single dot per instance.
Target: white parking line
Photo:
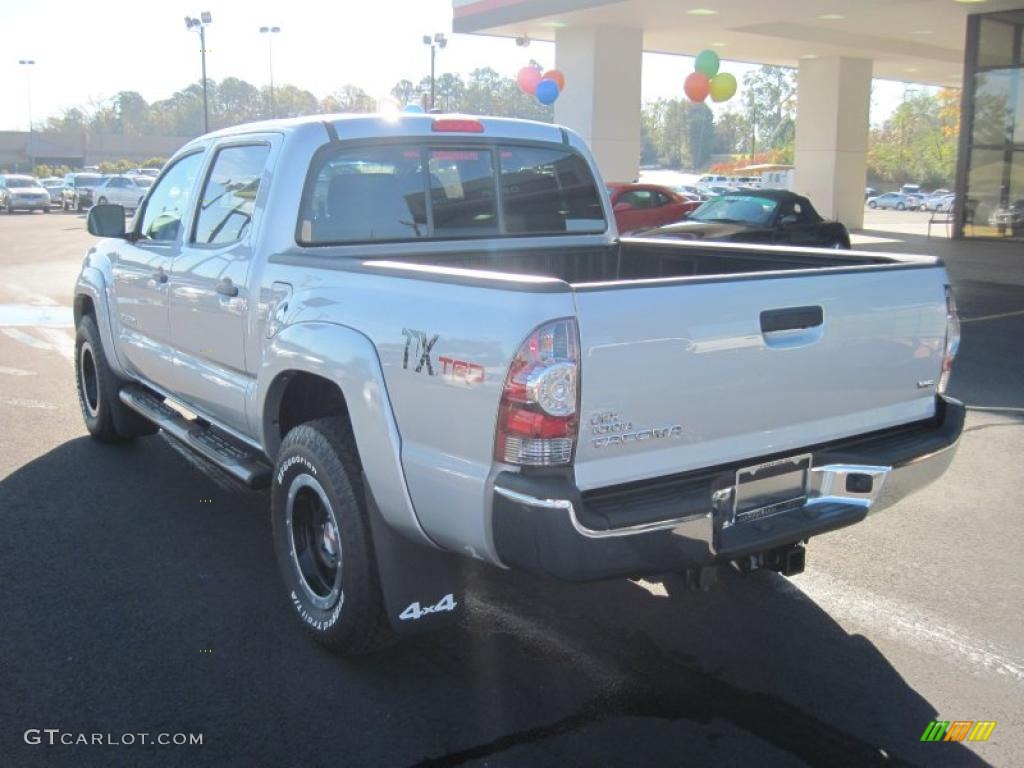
(907, 624)
(24, 338)
(28, 315)
(60, 341)
(4, 370)
(32, 297)
(53, 340)
(22, 402)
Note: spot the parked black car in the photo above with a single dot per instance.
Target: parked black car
(770, 216)
(78, 190)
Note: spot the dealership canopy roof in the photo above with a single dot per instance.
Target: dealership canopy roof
(920, 41)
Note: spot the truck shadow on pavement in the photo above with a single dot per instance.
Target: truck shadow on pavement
(141, 596)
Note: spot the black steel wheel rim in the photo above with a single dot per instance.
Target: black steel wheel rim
(314, 541)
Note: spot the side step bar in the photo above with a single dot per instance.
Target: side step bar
(239, 461)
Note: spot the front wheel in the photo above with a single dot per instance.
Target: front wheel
(102, 201)
(322, 540)
(872, 204)
(106, 417)
(900, 207)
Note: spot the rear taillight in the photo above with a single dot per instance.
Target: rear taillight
(952, 340)
(537, 420)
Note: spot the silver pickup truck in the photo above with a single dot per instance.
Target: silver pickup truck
(423, 334)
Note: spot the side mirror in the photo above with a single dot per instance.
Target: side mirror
(788, 220)
(106, 220)
(623, 207)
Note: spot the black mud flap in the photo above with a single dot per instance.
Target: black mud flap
(422, 586)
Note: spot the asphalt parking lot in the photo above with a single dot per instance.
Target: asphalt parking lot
(128, 605)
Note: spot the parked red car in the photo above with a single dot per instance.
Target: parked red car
(638, 206)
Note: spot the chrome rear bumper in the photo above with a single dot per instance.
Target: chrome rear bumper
(542, 523)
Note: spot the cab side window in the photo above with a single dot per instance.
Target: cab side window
(229, 197)
(168, 203)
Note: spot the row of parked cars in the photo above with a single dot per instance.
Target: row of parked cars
(74, 192)
(745, 215)
(940, 200)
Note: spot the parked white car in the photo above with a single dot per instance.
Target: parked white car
(896, 200)
(123, 190)
(18, 192)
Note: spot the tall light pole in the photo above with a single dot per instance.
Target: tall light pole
(200, 25)
(435, 42)
(270, 32)
(28, 64)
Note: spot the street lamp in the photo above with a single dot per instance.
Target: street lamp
(200, 25)
(28, 64)
(435, 42)
(270, 32)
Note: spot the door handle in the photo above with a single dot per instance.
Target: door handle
(227, 288)
(791, 319)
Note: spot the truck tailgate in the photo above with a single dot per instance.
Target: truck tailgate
(686, 374)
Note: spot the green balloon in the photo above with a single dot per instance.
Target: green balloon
(707, 62)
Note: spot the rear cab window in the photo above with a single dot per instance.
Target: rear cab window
(433, 190)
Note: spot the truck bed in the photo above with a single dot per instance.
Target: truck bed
(650, 259)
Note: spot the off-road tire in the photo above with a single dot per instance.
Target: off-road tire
(106, 417)
(324, 451)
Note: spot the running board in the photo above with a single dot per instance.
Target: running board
(239, 461)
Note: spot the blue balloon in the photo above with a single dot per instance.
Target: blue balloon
(547, 91)
(413, 108)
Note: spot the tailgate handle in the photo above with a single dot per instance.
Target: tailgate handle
(791, 319)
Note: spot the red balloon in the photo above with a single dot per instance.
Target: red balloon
(527, 79)
(557, 76)
(697, 86)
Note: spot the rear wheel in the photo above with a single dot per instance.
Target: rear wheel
(322, 539)
(106, 417)
(900, 207)
(102, 201)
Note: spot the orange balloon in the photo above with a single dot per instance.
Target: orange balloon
(557, 76)
(697, 86)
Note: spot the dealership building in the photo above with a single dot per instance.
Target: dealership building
(837, 47)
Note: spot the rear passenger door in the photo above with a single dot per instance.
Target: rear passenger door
(209, 293)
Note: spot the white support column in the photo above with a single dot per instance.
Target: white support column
(832, 124)
(601, 100)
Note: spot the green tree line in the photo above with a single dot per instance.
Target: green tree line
(233, 101)
(918, 142)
